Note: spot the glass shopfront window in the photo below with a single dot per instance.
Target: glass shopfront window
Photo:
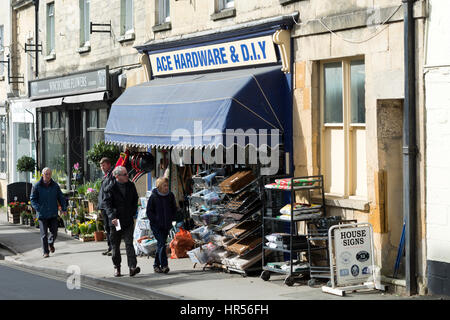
(54, 147)
(96, 123)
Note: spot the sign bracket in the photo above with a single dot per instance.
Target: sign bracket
(103, 28)
(12, 79)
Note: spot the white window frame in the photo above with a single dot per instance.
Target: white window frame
(2, 50)
(349, 130)
(126, 17)
(50, 28)
(4, 133)
(225, 4)
(85, 23)
(163, 11)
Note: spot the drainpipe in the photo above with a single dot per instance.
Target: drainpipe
(409, 150)
(36, 34)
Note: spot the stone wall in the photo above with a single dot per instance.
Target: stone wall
(347, 34)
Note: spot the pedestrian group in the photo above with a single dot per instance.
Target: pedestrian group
(118, 204)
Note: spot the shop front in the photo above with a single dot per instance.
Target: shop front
(71, 114)
(217, 113)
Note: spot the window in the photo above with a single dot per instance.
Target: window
(226, 4)
(2, 56)
(343, 138)
(126, 16)
(164, 11)
(54, 140)
(84, 22)
(96, 124)
(3, 147)
(50, 28)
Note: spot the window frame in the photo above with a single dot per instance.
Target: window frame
(347, 126)
(225, 4)
(163, 11)
(50, 28)
(126, 17)
(3, 145)
(85, 19)
(2, 49)
(89, 129)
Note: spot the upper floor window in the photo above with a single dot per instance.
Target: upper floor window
(226, 4)
(3, 146)
(50, 28)
(84, 22)
(126, 16)
(164, 11)
(2, 57)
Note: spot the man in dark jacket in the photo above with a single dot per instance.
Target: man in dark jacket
(107, 180)
(121, 203)
(161, 210)
(44, 198)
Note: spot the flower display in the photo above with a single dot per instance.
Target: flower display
(16, 204)
(76, 171)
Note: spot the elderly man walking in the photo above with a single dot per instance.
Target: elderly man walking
(107, 181)
(121, 203)
(45, 196)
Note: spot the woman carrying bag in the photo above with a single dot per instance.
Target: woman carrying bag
(161, 210)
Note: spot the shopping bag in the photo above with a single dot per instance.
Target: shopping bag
(181, 244)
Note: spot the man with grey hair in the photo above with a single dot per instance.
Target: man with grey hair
(107, 180)
(120, 204)
(44, 198)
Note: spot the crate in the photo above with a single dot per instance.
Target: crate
(245, 245)
(236, 182)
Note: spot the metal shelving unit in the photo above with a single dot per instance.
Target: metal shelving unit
(318, 233)
(272, 205)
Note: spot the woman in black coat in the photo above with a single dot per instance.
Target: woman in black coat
(161, 210)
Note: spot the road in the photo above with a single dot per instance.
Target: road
(17, 283)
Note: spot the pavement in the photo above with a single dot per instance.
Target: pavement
(20, 245)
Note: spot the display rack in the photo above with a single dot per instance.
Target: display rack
(271, 207)
(318, 244)
(234, 206)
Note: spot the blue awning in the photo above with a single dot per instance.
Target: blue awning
(199, 110)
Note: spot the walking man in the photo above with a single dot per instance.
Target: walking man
(107, 181)
(121, 203)
(44, 198)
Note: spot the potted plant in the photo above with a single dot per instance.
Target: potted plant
(24, 217)
(101, 150)
(15, 208)
(99, 235)
(26, 164)
(92, 197)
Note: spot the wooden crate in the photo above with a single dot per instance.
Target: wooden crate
(237, 181)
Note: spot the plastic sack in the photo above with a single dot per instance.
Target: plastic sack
(181, 244)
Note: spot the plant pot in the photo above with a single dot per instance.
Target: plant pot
(91, 207)
(14, 217)
(86, 238)
(99, 236)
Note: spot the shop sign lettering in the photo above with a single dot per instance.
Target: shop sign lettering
(247, 52)
(353, 249)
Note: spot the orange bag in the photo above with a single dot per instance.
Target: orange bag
(181, 244)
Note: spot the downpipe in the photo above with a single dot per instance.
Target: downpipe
(410, 150)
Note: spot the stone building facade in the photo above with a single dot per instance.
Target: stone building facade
(346, 59)
(5, 33)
